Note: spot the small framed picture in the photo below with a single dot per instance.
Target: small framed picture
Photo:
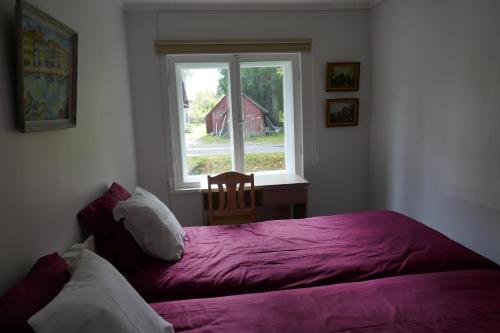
(342, 76)
(342, 112)
(47, 53)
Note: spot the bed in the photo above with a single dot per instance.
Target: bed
(286, 254)
(456, 301)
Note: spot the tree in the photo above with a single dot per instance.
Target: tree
(262, 84)
(204, 101)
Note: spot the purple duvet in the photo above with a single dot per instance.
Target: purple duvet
(454, 302)
(275, 255)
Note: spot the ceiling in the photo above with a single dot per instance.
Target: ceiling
(250, 4)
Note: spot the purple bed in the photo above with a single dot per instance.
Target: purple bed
(457, 301)
(286, 254)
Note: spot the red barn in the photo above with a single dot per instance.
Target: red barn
(255, 118)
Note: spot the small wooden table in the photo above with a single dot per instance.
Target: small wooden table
(276, 196)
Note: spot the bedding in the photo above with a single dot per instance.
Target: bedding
(97, 299)
(43, 282)
(71, 256)
(152, 225)
(457, 301)
(113, 241)
(285, 254)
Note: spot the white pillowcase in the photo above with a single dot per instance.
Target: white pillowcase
(152, 225)
(89, 244)
(98, 299)
(71, 256)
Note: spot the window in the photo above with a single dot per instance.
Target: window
(214, 131)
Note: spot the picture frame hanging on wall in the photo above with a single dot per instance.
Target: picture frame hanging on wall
(342, 112)
(46, 61)
(343, 76)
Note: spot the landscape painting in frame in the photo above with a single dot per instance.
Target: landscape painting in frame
(46, 71)
(342, 112)
(342, 76)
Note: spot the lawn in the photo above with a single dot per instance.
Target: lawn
(198, 134)
(213, 164)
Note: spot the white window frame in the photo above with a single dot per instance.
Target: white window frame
(293, 136)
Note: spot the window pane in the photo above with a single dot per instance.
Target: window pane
(264, 117)
(206, 114)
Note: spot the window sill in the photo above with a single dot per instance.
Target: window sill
(274, 181)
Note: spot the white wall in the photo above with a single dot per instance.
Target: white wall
(47, 177)
(336, 159)
(435, 129)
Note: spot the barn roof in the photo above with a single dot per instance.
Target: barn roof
(216, 106)
(255, 103)
(224, 100)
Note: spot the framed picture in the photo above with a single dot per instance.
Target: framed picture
(342, 112)
(46, 71)
(342, 76)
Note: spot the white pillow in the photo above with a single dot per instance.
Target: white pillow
(98, 299)
(72, 255)
(89, 244)
(152, 225)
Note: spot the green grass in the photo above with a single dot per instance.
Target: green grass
(213, 139)
(277, 138)
(264, 162)
(214, 164)
(198, 134)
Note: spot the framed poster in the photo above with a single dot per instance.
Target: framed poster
(342, 112)
(342, 76)
(47, 53)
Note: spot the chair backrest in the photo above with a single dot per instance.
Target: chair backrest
(232, 207)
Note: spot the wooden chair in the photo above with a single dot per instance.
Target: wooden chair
(232, 208)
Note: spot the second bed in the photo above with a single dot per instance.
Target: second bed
(286, 254)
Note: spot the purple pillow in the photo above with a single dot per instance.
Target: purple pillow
(113, 241)
(44, 281)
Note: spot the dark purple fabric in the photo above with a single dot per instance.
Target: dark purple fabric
(274, 255)
(44, 281)
(113, 241)
(454, 302)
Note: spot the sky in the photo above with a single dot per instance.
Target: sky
(201, 79)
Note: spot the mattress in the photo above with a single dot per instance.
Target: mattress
(285, 254)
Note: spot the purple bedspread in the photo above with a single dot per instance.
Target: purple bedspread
(454, 302)
(275, 255)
